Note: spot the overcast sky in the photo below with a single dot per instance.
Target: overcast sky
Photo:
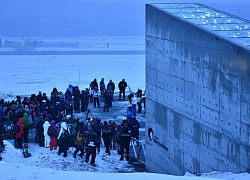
(87, 17)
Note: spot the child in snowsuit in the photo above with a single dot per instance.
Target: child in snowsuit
(26, 151)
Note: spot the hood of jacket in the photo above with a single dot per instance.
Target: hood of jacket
(20, 121)
(52, 122)
(46, 123)
(64, 125)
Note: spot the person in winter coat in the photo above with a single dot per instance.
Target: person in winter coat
(125, 141)
(19, 135)
(79, 144)
(107, 100)
(130, 113)
(39, 131)
(102, 88)
(26, 127)
(92, 145)
(84, 96)
(122, 88)
(64, 139)
(96, 96)
(46, 126)
(53, 135)
(76, 94)
(112, 85)
(107, 136)
(139, 100)
(134, 126)
(26, 151)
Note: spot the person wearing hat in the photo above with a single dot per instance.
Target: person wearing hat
(122, 88)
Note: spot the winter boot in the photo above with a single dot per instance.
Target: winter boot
(121, 159)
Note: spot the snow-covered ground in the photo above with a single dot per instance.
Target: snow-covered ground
(27, 74)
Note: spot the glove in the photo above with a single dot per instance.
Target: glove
(98, 150)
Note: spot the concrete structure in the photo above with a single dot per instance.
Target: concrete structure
(198, 90)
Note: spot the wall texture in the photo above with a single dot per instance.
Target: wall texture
(198, 92)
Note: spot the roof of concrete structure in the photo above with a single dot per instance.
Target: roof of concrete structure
(223, 24)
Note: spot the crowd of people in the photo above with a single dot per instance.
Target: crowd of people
(57, 128)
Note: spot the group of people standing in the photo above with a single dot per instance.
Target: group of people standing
(55, 125)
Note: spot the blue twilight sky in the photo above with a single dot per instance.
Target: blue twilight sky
(87, 17)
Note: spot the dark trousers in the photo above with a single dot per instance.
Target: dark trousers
(41, 140)
(63, 148)
(19, 143)
(122, 93)
(26, 134)
(96, 101)
(126, 148)
(107, 144)
(84, 106)
(139, 107)
(77, 106)
(79, 148)
(106, 106)
(91, 151)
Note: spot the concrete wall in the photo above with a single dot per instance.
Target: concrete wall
(198, 92)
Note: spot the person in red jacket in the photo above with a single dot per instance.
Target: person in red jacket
(19, 135)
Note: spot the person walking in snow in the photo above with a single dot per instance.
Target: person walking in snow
(64, 139)
(46, 126)
(107, 136)
(124, 142)
(92, 145)
(79, 144)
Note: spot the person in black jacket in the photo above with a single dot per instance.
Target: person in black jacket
(134, 126)
(122, 88)
(107, 136)
(39, 131)
(124, 142)
(92, 145)
(112, 85)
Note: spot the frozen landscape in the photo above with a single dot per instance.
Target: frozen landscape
(33, 64)
(27, 74)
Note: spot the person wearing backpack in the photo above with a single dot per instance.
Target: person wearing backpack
(52, 132)
(79, 144)
(19, 134)
(64, 139)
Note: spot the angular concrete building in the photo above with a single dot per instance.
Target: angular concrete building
(198, 90)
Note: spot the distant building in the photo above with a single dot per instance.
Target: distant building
(198, 90)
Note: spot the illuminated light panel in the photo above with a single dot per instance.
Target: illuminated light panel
(220, 23)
